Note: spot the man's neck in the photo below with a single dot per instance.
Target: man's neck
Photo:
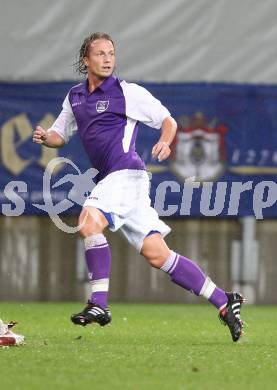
(94, 82)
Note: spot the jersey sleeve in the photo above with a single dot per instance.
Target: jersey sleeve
(142, 106)
(65, 124)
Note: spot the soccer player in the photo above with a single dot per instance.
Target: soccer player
(105, 111)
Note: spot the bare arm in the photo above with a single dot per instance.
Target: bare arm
(50, 139)
(60, 132)
(161, 150)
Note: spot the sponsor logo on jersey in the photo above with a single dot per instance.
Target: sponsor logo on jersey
(199, 148)
(76, 104)
(102, 105)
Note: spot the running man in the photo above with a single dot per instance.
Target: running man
(105, 111)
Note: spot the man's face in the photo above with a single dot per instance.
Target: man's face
(100, 61)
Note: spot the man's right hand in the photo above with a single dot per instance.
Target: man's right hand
(39, 135)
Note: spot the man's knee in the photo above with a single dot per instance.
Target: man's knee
(155, 250)
(156, 261)
(91, 221)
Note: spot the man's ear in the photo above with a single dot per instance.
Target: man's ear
(85, 61)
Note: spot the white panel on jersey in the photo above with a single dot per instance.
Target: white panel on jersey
(128, 133)
(142, 106)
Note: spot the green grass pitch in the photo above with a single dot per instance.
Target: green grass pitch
(146, 347)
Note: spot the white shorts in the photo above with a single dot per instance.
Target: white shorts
(125, 196)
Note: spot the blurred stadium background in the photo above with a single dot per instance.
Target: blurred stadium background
(208, 60)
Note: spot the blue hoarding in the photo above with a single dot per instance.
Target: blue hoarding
(226, 147)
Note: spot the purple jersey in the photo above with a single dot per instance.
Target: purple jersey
(107, 122)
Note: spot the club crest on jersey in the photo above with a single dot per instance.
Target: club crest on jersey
(199, 148)
(102, 105)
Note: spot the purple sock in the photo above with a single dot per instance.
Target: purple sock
(188, 275)
(218, 298)
(98, 258)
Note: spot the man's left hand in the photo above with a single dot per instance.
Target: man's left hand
(161, 151)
